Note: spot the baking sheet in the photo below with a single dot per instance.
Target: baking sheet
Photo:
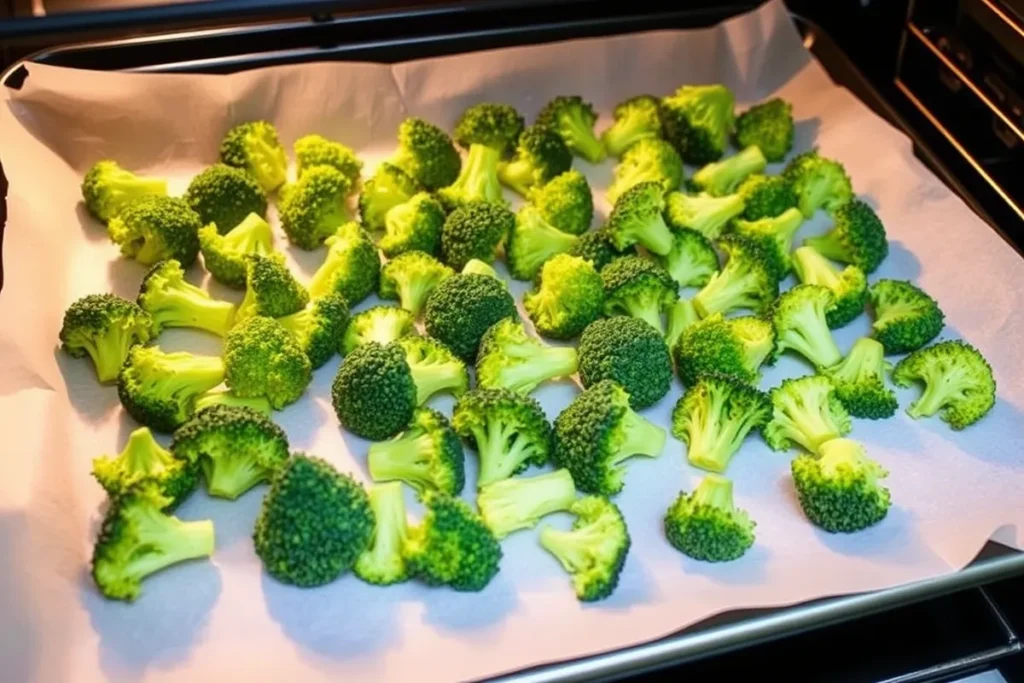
(205, 620)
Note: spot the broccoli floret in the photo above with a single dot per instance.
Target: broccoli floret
(573, 119)
(720, 178)
(222, 396)
(389, 187)
(532, 242)
(105, 327)
(519, 503)
(806, 412)
(414, 225)
(798, 317)
(254, 147)
(153, 228)
(452, 546)
(714, 416)
(629, 351)
(769, 125)
(818, 182)
(840, 491)
(475, 266)
(475, 230)
(143, 460)
(264, 359)
(640, 288)
(510, 359)
(174, 302)
(692, 260)
(598, 432)
(906, 318)
(858, 237)
(698, 120)
(849, 288)
(314, 524)
(958, 383)
(735, 346)
(477, 182)
(427, 455)
(462, 307)
(426, 153)
(747, 281)
(236, 448)
(596, 246)
(351, 268)
(138, 539)
(159, 389)
(410, 278)
(224, 255)
(594, 551)
(540, 156)
(316, 150)
(775, 235)
(681, 316)
(313, 207)
(224, 195)
(568, 297)
(492, 125)
(434, 368)
(701, 212)
(636, 119)
(766, 196)
(651, 160)
(382, 564)
(508, 430)
(270, 288)
(859, 380)
(318, 328)
(374, 394)
(636, 219)
(107, 188)
(706, 525)
(381, 324)
(565, 202)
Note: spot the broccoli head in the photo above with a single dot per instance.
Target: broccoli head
(154, 228)
(806, 412)
(105, 327)
(697, 120)
(565, 202)
(636, 119)
(650, 160)
(520, 502)
(144, 461)
(532, 242)
(410, 277)
(573, 119)
(270, 288)
(706, 525)
(427, 455)
(766, 196)
(680, 317)
(475, 230)
(254, 147)
(857, 237)
(318, 328)
(958, 383)
(775, 235)
(381, 324)
(859, 380)
(636, 218)
(769, 125)
(798, 317)
(316, 150)
(222, 396)
(540, 156)
(840, 491)
(264, 359)
(224, 196)
(224, 255)
(174, 302)
(426, 153)
(720, 178)
(597, 247)
(639, 288)
(701, 212)
(351, 268)
(736, 347)
(313, 207)
(748, 280)
(374, 394)
(906, 318)
(818, 182)
(435, 369)
(461, 309)
(849, 287)
(692, 260)
(568, 297)
(489, 124)
(510, 359)
(107, 188)
(414, 225)
(159, 389)
(630, 352)
(387, 188)
(383, 564)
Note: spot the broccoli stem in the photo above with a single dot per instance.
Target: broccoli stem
(513, 504)
(656, 236)
(714, 491)
(265, 164)
(382, 563)
(404, 459)
(582, 140)
(167, 540)
(142, 453)
(501, 452)
(829, 247)
(125, 189)
(223, 396)
(518, 174)
(413, 292)
(625, 133)
(186, 305)
(813, 269)
(431, 378)
(539, 365)
(478, 179)
(572, 549)
(727, 290)
(195, 375)
(647, 308)
(232, 474)
(941, 387)
(865, 360)
(809, 335)
(109, 351)
(251, 236)
(638, 437)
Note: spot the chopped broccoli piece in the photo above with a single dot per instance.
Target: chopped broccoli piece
(849, 288)
(383, 564)
(748, 280)
(636, 219)
(374, 393)
(224, 195)
(270, 288)
(427, 455)
(410, 277)
(264, 359)
(414, 225)
(958, 383)
(389, 187)
(434, 368)
(650, 160)
(573, 119)
(254, 147)
(720, 178)
(174, 302)
(697, 120)
(806, 412)
(462, 307)
(510, 359)
(775, 235)
(224, 255)
(313, 207)
(597, 247)
(159, 389)
(818, 182)
(640, 288)
(490, 124)
(351, 268)
(692, 260)
(706, 525)
(381, 324)
(477, 183)
(143, 460)
(568, 297)
(316, 150)
(630, 352)
(153, 228)
(107, 188)
(681, 316)
(222, 396)
(519, 503)
(475, 230)
(426, 153)
(318, 328)
(105, 327)
(565, 202)
(859, 380)
(769, 125)
(766, 196)
(706, 214)
(840, 491)
(798, 317)
(906, 318)
(636, 119)
(540, 156)
(736, 347)
(858, 237)
(532, 242)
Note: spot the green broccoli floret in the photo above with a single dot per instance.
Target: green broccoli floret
(318, 328)
(698, 120)
(858, 237)
(475, 266)
(435, 369)
(714, 416)
(629, 351)
(510, 359)
(427, 154)
(840, 491)
(222, 396)
(236, 448)
(806, 412)
(381, 324)
(720, 178)
(519, 503)
(540, 156)
(462, 307)
(374, 393)
(958, 383)
(477, 182)
(640, 288)
(706, 525)
(254, 147)
(598, 432)
(138, 539)
(849, 288)
(568, 297)
(475, 230)
(316, 150)
(313, 207)
(264, 359)
(174, 302)
(532, 242)
(389, 187)
(769, 125)
(818, 182)
(565, 202)
(650, 160)
(410, 278)
(452, 546)
(143, 460)
(775, 235)
(594, 551)
(680, 317)
(314, 524)
(224, 195)
(692, 260)
(493, 125)
(859, 380)
(747, 281)
(351, 268)
(427, 455)
(573, 119)
(414, 225)
(798, 317)
(597, 247)
(906, 318)
(636, 219)
(735, 346)
(107, 188)
(270, 288)
(105, 327)
(224, 255)
(383, 564)
(636, 119)
(153, 228)
(701, 212)
(159, 389)
(766, 196)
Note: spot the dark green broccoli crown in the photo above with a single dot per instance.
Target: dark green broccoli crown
(224, 195)
(159, 389)
(723, 177)
(532, 242)
(706, 214)
(639, 288)
(565, 202)
(427, 455)
(413, 225)
(143, 460)
(174, 302)
(736, 347)
(318, 328)
(573, 119)
(649, 160)
(630, 352)
(635, 119)
(509, 358)
(637, 218)
(798, 316)
(373, 393)
(107, 188)
(597, 247)
(818, 182)
(698, 120)
(314, 206)
(540, 156)
(806, 412)
(254, 147)
(705, 525)
(462, 307)
(380, 324)
(153, 228)
(492, 125)
(858, 237)
(316, 150)
(352, 266)
(958, 383)
(859, 381)
(314, 523)
(766, 196)
(906, 318)
(410, 277)
(426, 153)
(748, 280)
(775, 235)
(849, 288)
(475, 231)
(452, 546)
(105, 327)
(692, 260)
(569, 296)
(769, 125)
(224, 255)
(264, 359)
(840, 490)
(270, 288)
(389, 187)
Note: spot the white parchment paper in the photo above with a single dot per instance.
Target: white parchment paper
(225, 618)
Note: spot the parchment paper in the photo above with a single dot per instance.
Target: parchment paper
(225, 617)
